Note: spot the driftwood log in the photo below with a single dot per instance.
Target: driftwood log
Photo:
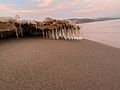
(48, 28)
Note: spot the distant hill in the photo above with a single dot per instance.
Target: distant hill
(87, 20)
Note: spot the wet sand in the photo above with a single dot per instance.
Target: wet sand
(37, 64)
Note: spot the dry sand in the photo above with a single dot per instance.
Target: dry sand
(37, 64)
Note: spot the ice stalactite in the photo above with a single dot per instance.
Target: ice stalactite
(21, 30)
(67, 34)
(46, 34)
(57, 34)
(64, 34)
(43, 33)
(16, 34)
(53, 34)
(16, 30)
(72, 34)
(60, 33)
(49, 34)
(75, 34)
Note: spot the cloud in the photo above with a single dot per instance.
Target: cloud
(108, 8)
(41, 3)
(93, 6)
(46, 2)
(61, 8)
(6, 8)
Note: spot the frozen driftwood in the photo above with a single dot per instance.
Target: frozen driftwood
(48, 28)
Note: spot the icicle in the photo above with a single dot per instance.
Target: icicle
(61, 31)
(53, 35)
(60, 34)
(43, 33)
(21, 30)
(36, 27)
(73, 33)
(72, 37)
(28, 22)
(46, 34)
(68, 35)
(56, 34)
(64, 34)
(15, 30)
(49, 34)
(78, 34)
(16, 34)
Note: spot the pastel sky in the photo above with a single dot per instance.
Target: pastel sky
(38, 9)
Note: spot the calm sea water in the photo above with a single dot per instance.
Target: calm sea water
(106, 32)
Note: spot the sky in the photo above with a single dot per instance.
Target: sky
(62, 9)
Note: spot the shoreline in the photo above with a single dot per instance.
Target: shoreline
(104, 32)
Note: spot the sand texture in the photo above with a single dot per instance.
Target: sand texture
(38, 64)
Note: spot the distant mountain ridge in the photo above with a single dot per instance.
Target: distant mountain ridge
(87, 20)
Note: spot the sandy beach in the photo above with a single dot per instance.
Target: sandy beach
(59, 45)
(38, 64)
